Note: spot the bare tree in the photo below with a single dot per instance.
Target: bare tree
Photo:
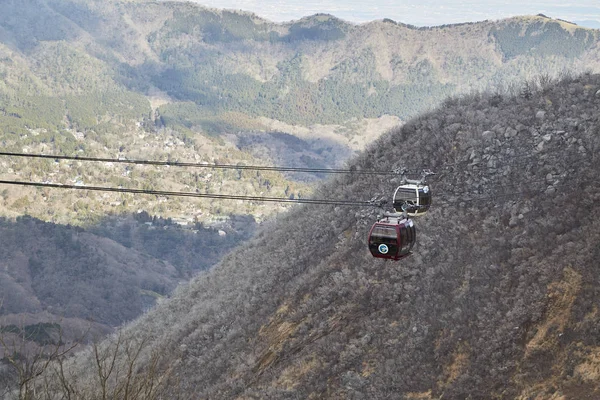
(27, 360)
(527, 90)
(122, 368)
(545, 81)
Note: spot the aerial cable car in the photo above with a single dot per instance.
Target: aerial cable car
(413, 196)
(392, 237)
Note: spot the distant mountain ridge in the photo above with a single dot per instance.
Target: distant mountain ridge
(230, 61)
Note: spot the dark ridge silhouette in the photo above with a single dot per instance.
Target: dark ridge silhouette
(499, 300)
(51, 272)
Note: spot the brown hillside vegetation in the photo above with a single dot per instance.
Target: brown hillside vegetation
(499, 300)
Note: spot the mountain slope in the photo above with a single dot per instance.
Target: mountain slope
(499, 300)
(51, 272)
(235, 61)
(149, 79)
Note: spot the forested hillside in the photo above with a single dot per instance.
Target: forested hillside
(316, 70)
(51, 273)
(174, 80)
(498, 300)
(108, 274)
(63, 285)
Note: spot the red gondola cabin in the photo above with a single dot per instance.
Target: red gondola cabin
(392, 237)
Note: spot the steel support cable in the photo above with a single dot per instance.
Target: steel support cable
(192, 194)
(481, 163)
(490, 198)
(442, 201)
(461, 163)
(202, 165)
(482, 166)
(486, 188)
(490, 185)
(232, 166)
(259, 167)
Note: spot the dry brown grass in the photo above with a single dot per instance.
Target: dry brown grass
(589, 370)
(561, 297)
(276, 334)
(292, 375)
(419, 396)
(460, 363)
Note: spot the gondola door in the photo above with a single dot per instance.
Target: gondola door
(392, 240)
(384, 240)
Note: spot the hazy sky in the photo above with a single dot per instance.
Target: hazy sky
(415, 12)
